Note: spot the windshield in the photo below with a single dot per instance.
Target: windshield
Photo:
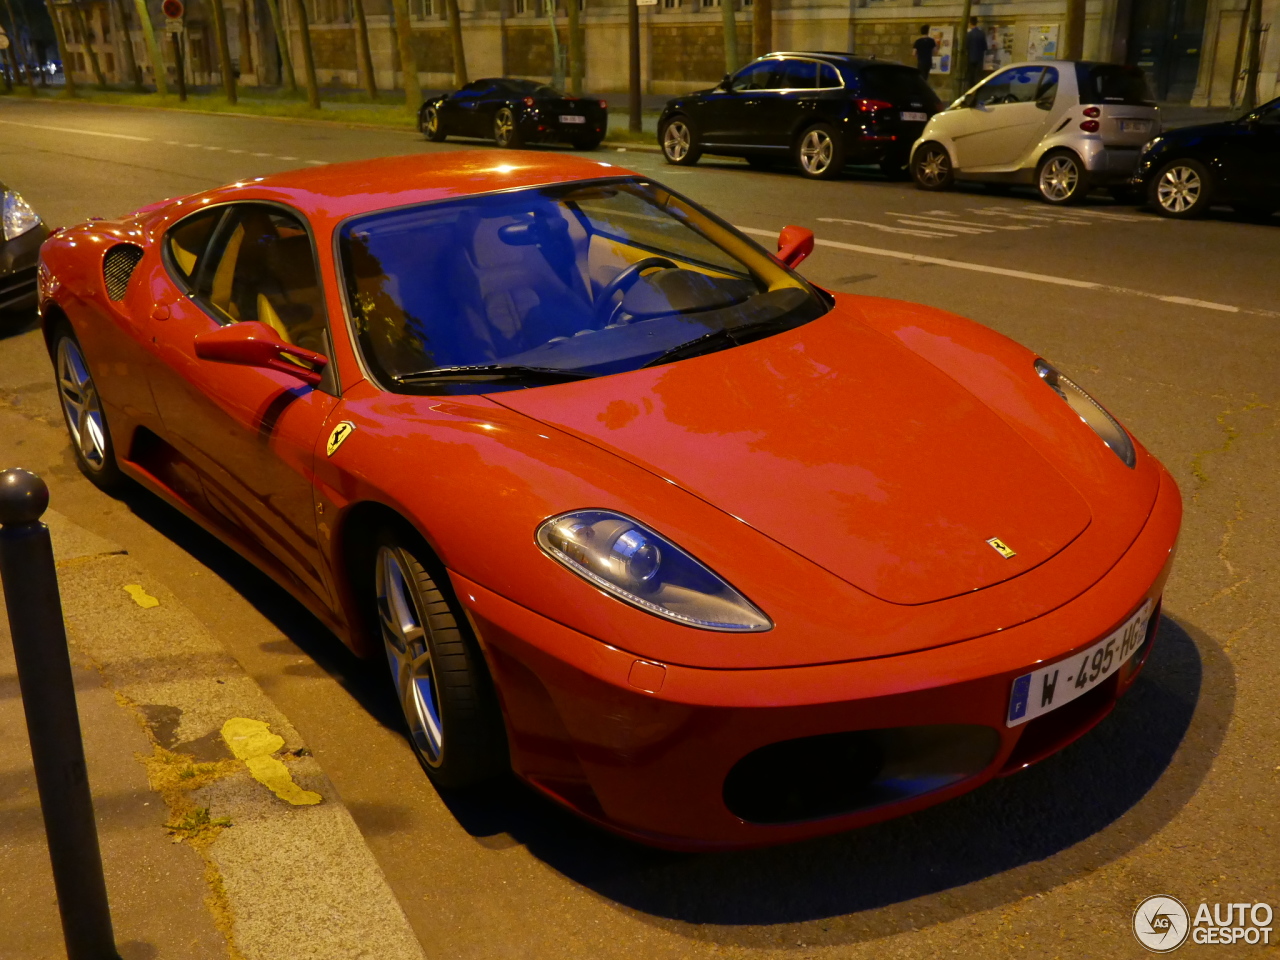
(1112, 83)
(585, 279)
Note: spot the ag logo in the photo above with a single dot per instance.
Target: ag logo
(1161, 924)
(340, 433)
(1002, 548)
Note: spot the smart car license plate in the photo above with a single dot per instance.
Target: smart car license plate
(569, 118)
(1059, 683)
(911, 115)
(1135, 126)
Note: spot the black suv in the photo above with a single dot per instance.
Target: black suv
(823, 110)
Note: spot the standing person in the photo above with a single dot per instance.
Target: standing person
(924, 48)
(976, 49)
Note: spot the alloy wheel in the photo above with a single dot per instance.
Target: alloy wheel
(816, 152)
(933, 168)
(676, 141)
(405, 635)
(432, 126)
(1179, 189)
(504, 126)
(1059, 179)
(81, 406)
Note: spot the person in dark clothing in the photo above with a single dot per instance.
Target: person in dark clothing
(976, 49)
(924, 48)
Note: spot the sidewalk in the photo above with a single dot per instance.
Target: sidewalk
(206, 855)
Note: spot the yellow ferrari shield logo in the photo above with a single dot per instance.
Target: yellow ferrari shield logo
(998, 545)
(340, 433)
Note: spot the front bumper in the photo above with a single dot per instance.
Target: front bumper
(657, 752)
(19, 258)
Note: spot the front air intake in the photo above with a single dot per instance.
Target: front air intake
(117, 268)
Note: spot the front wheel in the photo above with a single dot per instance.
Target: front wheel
(83, 414)
(819, 153)
(505, 129)
(431, 126)
(931, 168)
(1062, 179)
(680, 142)
(444, 690)
(1182, 190)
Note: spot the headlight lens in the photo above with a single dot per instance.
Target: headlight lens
(625, 558)
(1090, 411)
(1148, 145)
(18, 217)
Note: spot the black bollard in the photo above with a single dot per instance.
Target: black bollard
(53, 724)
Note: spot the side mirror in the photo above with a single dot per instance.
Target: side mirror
(254, 344)
(794, 244)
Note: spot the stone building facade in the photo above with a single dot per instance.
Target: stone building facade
(1193, 50)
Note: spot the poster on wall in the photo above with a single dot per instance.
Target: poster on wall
(999, 47)
(1042, 42)
(943, 37)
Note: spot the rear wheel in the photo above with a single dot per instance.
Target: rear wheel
(1182, 190)
(83, 414)
(819, 153)
(680, 142)
(506, 131)
(444, 690)
(431, 126)
(1062, 179)
(931, 168)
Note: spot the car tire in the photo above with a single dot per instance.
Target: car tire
(895, 168)
(1061, 178)
(82, 412)
(679, 139)
(506, 129)
(588, 143)
(1255, 213)
(1181, 189)
(437, 670)
(819, 152)
(430, 125)
(931, 167)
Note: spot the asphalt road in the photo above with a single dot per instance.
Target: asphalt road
(1175, 326)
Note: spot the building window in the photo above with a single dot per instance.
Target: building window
(522, 7)
(421, 9)
(670, 4)
(708, 4)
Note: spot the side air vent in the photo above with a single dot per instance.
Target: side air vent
(117, 268)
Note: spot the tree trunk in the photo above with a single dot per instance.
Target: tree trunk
(633, 65)
(13, 48)
(224, 50)
(87, 37)
(761, 27)
(408, 62)
(455, 42)
(282, 44)
(728, 15)
(153, 49)
(577, 52)
(960, 49)
(363, 53)
(63, 52)
(1073, 42)
(126, 44)
(557, 54)
(308, 58)
(1249, 100)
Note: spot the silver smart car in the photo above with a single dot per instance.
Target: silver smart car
(1064, 126)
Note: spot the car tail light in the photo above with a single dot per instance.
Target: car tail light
(528, 101)
(1090, 126)
(871, 106)
(604, 104)
(1092, 112)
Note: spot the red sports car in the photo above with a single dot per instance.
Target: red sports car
(707, 554)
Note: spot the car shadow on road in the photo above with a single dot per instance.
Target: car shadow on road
(1013, 838)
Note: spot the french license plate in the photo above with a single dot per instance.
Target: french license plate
(1059, 683)
(569, 118)
(1135, 126)
(911, 115)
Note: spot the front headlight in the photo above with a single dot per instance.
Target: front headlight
(628, 560)
(16, 215)
(1090, 411)
(1148, 145)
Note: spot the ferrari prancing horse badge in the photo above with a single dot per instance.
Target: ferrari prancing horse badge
(340, 433)
(998, 545)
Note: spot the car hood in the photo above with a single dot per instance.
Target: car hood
(1225, 128)
(844, 446)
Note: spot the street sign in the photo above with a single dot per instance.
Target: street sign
(173, 9)
(172, 26)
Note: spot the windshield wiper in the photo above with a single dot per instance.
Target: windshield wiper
(481, 372)
(724, 338)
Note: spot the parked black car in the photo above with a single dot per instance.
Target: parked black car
(1183, 172)
(515, 112)
(21, 233)
(821, 110)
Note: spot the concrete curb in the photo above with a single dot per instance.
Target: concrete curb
(285, 881)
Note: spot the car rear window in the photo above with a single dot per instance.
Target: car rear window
(1112, 83)
(898, 85)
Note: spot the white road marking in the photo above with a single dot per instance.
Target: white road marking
(886, 229)
(229, 150)
(262, 154)
(318, 163)
(951, 226)
(285, 158)
(1024, 275)
(86, 133)
(947, 217)
(997, 212)
(1122, 217)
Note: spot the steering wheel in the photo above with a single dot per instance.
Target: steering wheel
(627, 278)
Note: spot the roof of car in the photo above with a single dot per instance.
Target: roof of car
(851, 59)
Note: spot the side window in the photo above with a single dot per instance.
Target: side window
(797, 75)
(1048, 88)
(1015, 85)
(187, 240)
(755, 76)
(827, 76)
(264, 269)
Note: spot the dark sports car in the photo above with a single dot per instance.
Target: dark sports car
(514, 113)
(21, 233)
(1183, 172)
